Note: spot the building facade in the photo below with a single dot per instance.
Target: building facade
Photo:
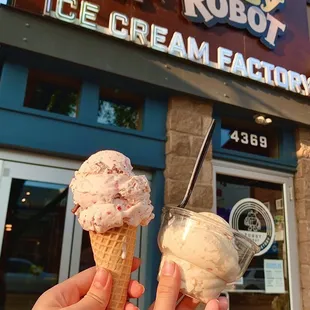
(146, 78)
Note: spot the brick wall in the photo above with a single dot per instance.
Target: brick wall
(187, 122)
(302, 195)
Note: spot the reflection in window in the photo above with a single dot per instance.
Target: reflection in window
(119, 109)
(52, 93)
(250, 292)
(17, 265)
(32, 242)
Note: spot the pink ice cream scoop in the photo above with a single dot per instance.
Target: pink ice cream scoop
(107, 194)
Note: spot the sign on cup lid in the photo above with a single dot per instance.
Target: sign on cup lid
(253, 219)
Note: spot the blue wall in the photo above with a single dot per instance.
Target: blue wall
(47, 132)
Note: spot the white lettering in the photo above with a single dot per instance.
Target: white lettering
(224, 58)
(193, 6)
(251, 64)
(237, 12)
(123, 19)
(158, 38)
(281, 77)
(267, 72)
(255, 17)
(254, 12)
(238, 65)
(177, 46)
(305, 84)
(273, 31)
(220, 12)
(139, 30)
(88, 14)
(294, 81)
(227, 60)
(200, 55)
(70, 18)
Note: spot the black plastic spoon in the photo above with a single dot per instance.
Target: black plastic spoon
(199, 162)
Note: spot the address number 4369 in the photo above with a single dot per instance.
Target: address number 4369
(246, 138)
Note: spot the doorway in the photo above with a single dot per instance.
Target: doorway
(260, 204)
(36, 231)
(41, 242)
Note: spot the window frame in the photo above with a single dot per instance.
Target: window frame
(122, 98)
(286, 179)
(52, 79)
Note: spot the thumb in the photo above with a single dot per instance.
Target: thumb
(168, 287)
(98, 296)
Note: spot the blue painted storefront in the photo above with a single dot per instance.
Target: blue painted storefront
(45, 132)
(58, 135)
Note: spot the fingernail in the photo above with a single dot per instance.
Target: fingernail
(143, 289)
(101, 278)
(168, 268)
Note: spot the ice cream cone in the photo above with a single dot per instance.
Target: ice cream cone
(114, 251)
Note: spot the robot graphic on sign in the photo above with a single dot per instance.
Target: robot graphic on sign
(252, 221)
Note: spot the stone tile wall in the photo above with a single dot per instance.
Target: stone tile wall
(302, 197)
(187, 122)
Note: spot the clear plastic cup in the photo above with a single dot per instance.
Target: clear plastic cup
(210, 254)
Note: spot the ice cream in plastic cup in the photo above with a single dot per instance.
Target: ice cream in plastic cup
(210, 254)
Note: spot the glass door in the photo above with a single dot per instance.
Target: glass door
(36, 229)
(260, 204)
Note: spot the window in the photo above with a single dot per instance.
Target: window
(257, 289)
(260, 274)
(52, 93)
(118, 108)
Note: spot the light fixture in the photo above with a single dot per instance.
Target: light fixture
(8, 227)
(268, 120)
(28, 193)
(262, 119)
(24, 200)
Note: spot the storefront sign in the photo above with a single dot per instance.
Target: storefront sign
(249, 139)
(253, 15)
(85, 13)
(253, 219)
(274, 277)
(257, 140)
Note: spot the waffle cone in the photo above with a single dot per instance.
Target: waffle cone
(108, 249)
